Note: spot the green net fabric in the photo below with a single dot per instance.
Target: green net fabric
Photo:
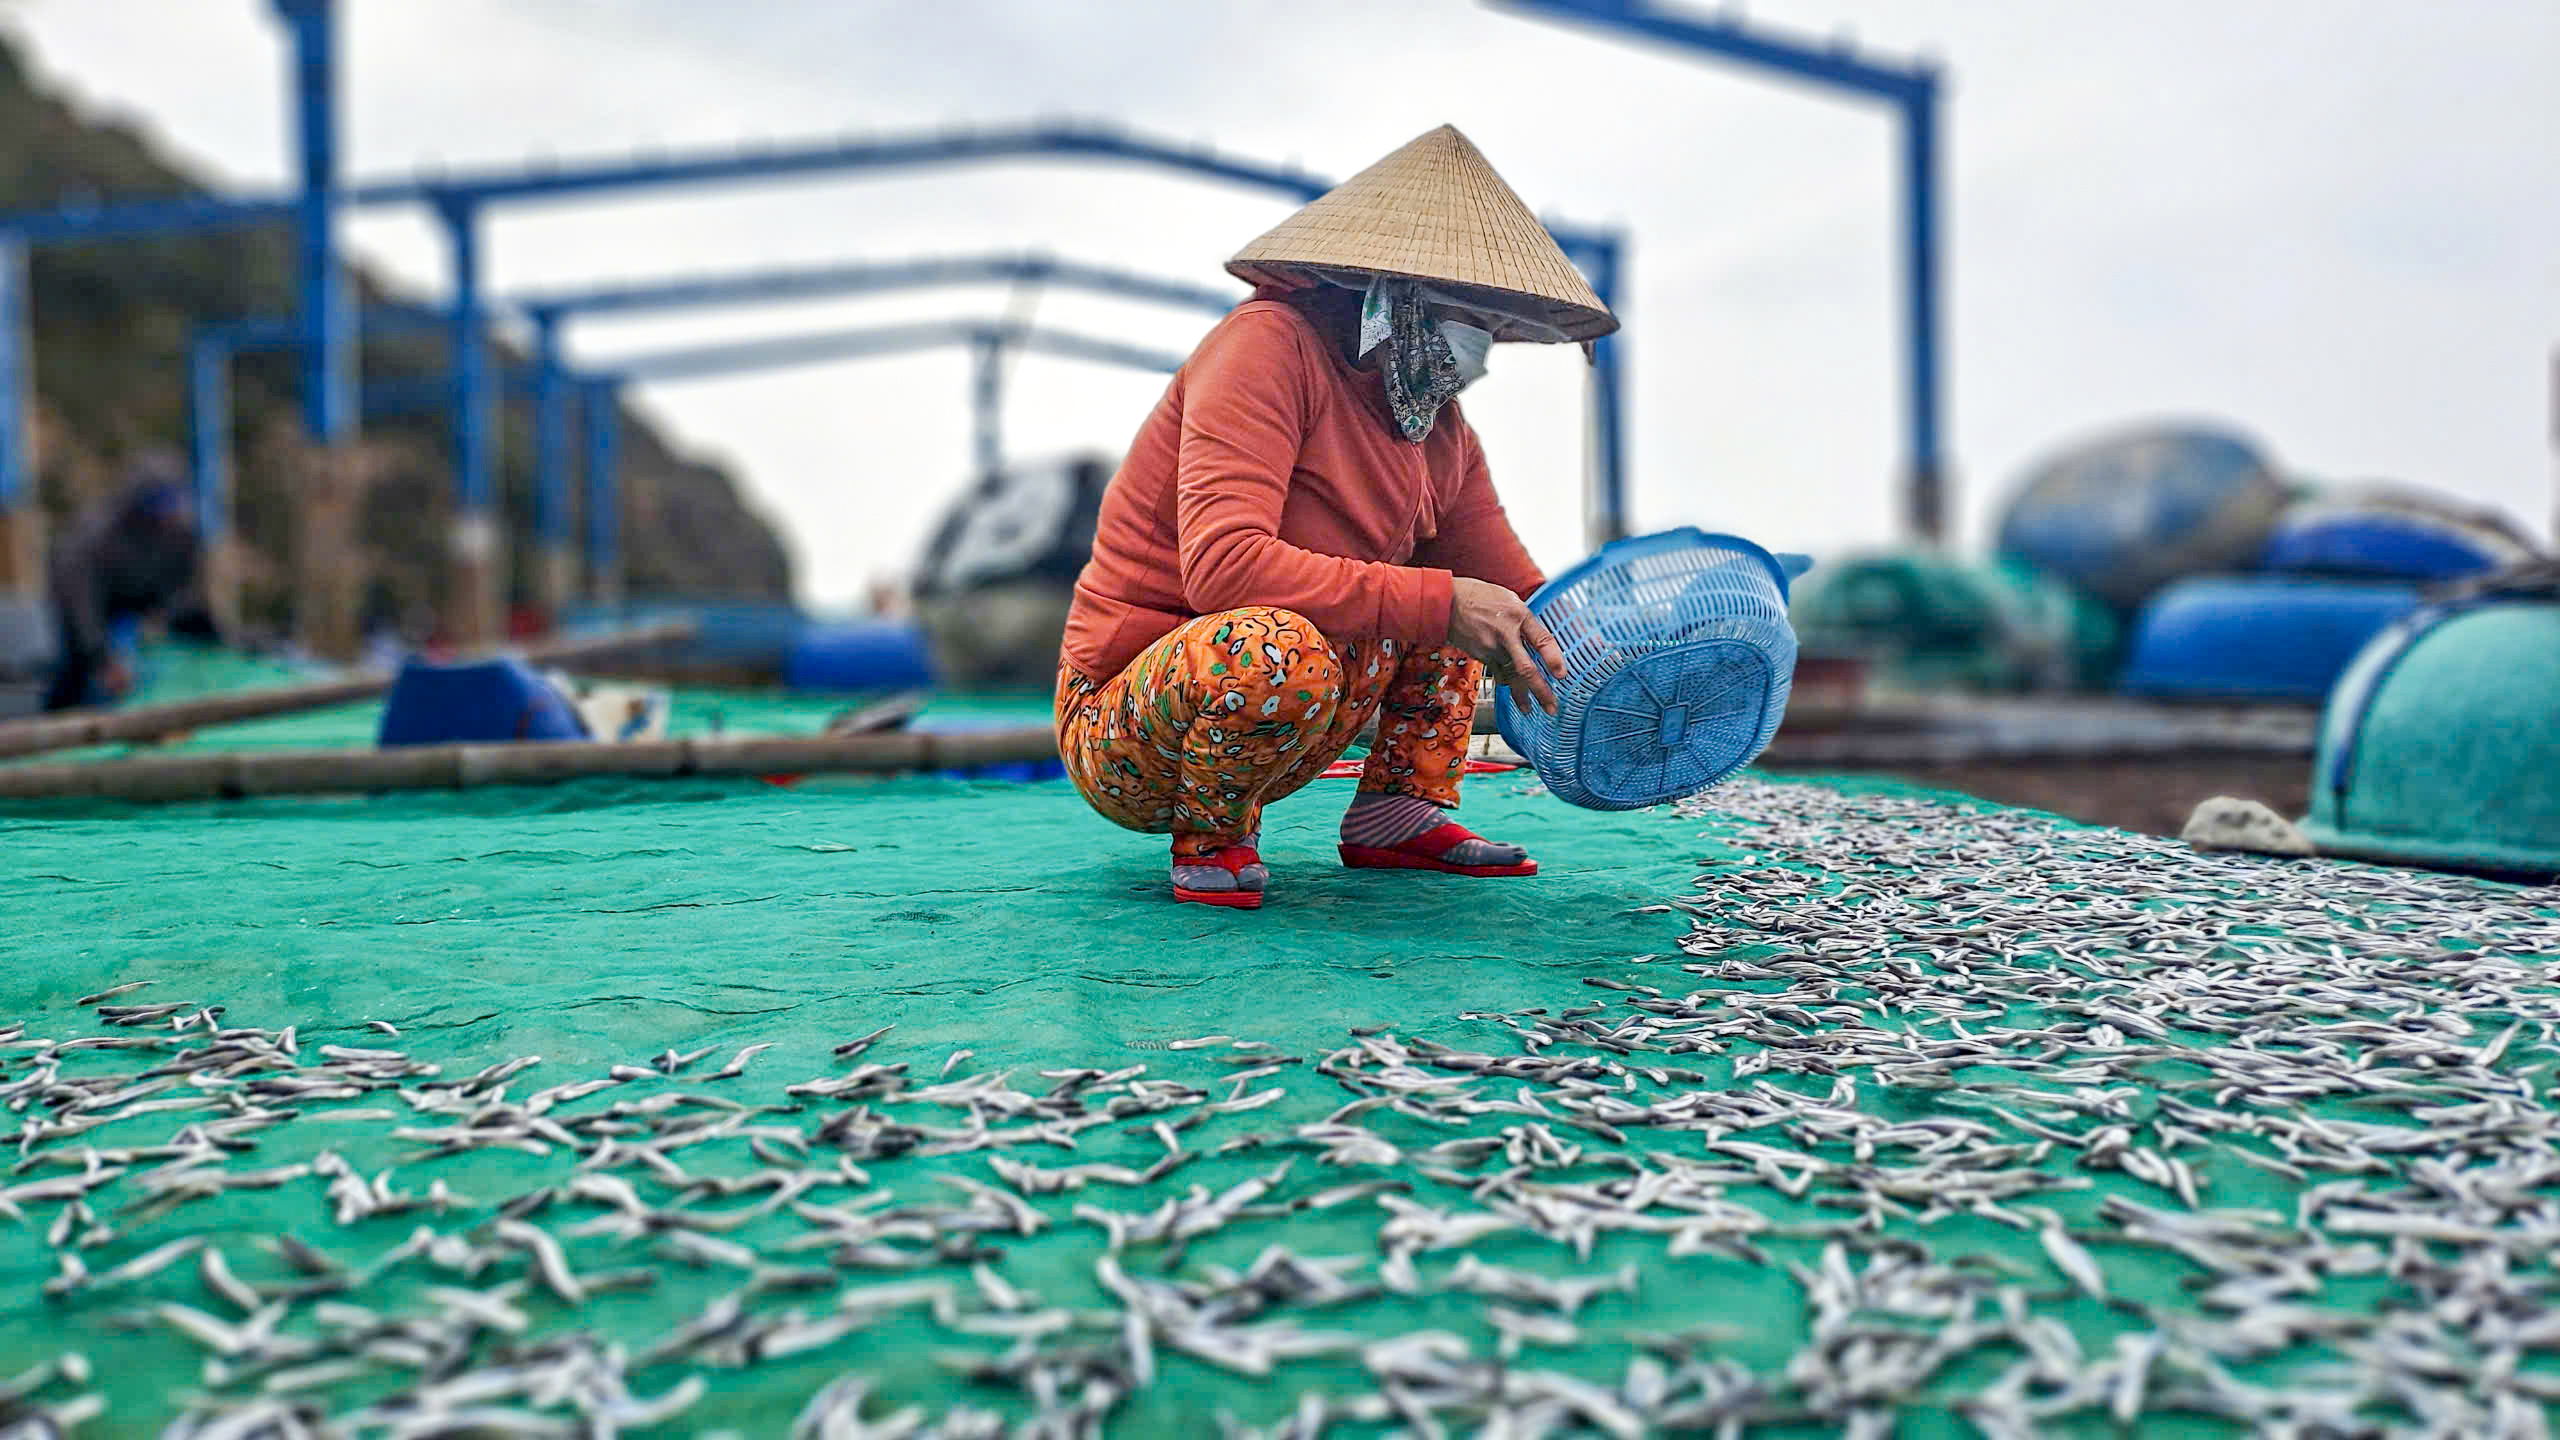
(1798, 1110)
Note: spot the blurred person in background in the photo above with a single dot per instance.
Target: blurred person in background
(136, 561)
(1304, 536)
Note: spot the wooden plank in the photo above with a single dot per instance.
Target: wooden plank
(78, 729)
(216, 774)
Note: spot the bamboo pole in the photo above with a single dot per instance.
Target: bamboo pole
(77, 729)
(228, 774)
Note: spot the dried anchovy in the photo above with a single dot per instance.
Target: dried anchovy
(1917, 1024)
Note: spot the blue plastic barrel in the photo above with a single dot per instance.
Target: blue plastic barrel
(747, 634)
(2385, 543)
(483, 700)
(2257, 637)
(860, 655)
(2126, 514)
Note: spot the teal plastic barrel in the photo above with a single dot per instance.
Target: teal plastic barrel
(2441, 744)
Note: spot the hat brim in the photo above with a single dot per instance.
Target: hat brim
(1435, 211)
(1576, 322)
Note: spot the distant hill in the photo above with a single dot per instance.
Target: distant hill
(112, 322)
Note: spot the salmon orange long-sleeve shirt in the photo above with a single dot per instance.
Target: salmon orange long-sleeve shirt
(1271, 473)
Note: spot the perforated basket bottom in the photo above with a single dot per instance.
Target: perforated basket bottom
(1673, 723)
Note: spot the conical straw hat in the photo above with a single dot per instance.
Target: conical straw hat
(1434, 210)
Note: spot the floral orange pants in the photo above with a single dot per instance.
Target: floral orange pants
(1230, 712)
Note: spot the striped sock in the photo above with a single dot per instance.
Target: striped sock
(1218, 877)
(1382, 822)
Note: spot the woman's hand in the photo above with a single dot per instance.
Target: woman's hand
(1491, 624)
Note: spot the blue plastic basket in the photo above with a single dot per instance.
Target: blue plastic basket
(1678, 659)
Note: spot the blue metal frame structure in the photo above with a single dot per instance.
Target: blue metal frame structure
(827, 346)
(1913, 90)
(988, 340)
(326, 324)
(411, 395)
(552, 382)
(599, 390)
(549, 312)
(209, 353)
(458, 199)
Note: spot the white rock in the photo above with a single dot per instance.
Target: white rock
(2227, 822)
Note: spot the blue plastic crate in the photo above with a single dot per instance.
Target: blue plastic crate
(1678, 660)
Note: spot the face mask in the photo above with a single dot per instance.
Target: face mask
(1467, 347)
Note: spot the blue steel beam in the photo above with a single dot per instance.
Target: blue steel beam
(408, 395)
(1926, 502)
(1913, 90)
(599, 392)
(601, 401)
(137, 219)
(1604, 499)
(474, 425)
(280, 332)
(127, 219)
(209, 433)
(17, 392)
(328, 348)
(810, 282)
(782, 161)
(1735, 39)
(550, 311)
(550, 435)
(703, 362)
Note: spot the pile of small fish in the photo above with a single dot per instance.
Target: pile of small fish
(1907, 1032)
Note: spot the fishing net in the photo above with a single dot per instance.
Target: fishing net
(1799, 1108)
(1936, 623)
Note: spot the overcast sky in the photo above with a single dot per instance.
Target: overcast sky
(2334, 224)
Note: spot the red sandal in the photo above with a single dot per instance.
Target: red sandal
(1423, 852)
(1231, 859)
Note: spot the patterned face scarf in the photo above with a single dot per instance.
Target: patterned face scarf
(1420, 372)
